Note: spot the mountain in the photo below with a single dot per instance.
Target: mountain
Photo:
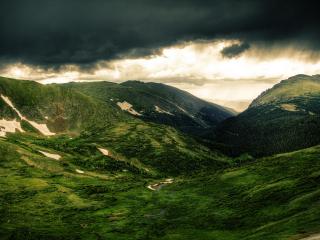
(159, 103)
(75, 166)
(64, 119)
(60, 109)
(282, 119)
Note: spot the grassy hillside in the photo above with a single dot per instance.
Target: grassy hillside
(106, 174)
(296, 86)
(92, 122)
(41, 198)
(62, 109)
(284, 118)
(159, 103)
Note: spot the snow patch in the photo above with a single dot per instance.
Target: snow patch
(311, 113)
(168, 180)
(289, 107)
(160, 110)
(158, 186)
(40, 127)
(104, 151)
(8, 101)
(79, 171)
(313, 237)
(152, 187)
(9, 126)
(43, 128)
(185, 111)
(125, 106)
(51, 155)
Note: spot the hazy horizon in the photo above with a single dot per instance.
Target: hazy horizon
(200, 91)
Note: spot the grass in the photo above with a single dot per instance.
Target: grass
(295, 86)
(272, 198)
(188, 113)
(212, 196)
(140, 147)
(157, 149)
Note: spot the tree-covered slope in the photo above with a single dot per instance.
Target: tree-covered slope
(283, 118)
(159, 103)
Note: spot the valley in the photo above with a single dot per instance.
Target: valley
(76, 164)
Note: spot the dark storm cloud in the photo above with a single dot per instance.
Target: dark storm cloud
(56, 32)
(234, 50)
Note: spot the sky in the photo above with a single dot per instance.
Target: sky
(225, 51)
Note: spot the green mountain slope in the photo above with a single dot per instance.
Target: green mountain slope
(61, 109)
(64, 112)
(274, 198)
(159, 103)
(283, 118)
(101, 173)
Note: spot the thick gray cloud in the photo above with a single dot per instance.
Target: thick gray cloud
(235, 50)
(55, 32)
